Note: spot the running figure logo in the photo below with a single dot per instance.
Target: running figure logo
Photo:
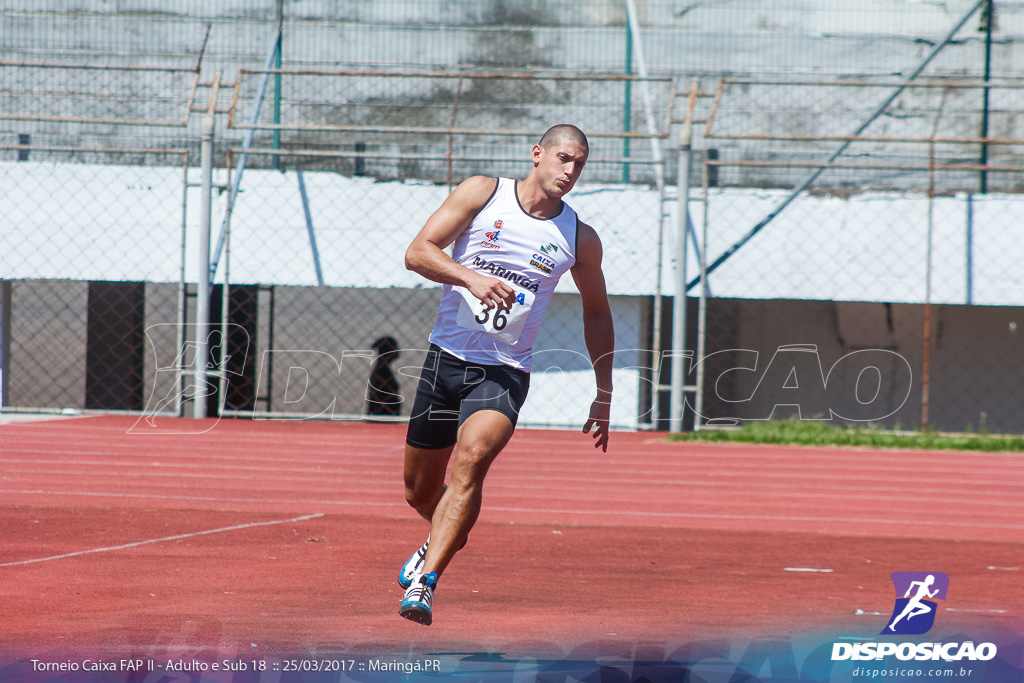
(914, 613)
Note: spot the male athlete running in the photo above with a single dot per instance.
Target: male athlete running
(512, 242)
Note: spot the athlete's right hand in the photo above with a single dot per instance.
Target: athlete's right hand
(492, 292)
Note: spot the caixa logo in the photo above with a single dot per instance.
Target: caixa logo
(916, 596)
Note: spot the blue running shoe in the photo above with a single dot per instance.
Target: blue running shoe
(419, 595)
(413, 566)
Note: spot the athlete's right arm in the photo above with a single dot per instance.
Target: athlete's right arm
(426, 255)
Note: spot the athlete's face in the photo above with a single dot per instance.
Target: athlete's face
(559, 166)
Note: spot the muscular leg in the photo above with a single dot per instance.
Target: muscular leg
(424, 478)
(481, 438)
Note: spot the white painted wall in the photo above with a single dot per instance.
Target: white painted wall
(86, 222)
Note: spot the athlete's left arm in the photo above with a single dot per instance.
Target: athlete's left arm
(598, 331)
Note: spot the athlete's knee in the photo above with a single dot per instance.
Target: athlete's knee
(471, 465)
(419, 495)
(413, 496)
(479, 447)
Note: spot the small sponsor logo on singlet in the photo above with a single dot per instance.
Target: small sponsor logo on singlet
(492, 236)
(540, 266)
(542, 263)
(549, 248)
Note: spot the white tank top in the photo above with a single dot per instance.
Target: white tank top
(530, 254)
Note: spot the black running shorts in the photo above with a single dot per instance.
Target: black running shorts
(450, 390)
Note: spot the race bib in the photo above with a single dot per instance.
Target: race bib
(502, 323)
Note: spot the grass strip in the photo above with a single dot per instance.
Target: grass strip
(820, 433)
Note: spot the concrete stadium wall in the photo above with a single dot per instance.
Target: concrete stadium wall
(877, 36)
(709, 40)
(853, 361)
(319, 359)
(752, 37)
(976, 363)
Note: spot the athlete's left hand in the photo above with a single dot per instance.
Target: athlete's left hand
(600, 411)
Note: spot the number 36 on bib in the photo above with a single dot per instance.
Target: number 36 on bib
(501, 323)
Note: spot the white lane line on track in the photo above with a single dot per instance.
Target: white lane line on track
(499, 483)
(204, 499)
(301, 448)
(300, 454)
(774, 518)
(758, 494)
(267, 452)
(649, 444)
(739, 474)
(807, 569)
(754, 492)
(536, 511)
(136, 544)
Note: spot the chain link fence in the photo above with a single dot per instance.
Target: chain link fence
(91, 260)
(95, 114)
(312, 209)
(884, 291)
(894, 308)
(333, 245)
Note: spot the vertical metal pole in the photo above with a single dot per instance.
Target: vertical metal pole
(225, 310)
(806, 182)
(203, 275)
(989, 20)
(656, 347)
(645, 95)
(678, 396)
(702, 316)
(659, 170)
(270, 345)
(927, 341)
(243, 158)
(627, 106)
(678, 393)
(656, 323)
(927, 334)
(182, 296)
(225, 314)
(969, 266)
(277, 81)
(5, 342)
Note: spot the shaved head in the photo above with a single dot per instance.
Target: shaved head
(564, 132)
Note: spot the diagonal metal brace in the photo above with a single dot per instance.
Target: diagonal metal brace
(236, 181)
(727, 254)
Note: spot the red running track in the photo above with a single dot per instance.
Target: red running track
(279, 534)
